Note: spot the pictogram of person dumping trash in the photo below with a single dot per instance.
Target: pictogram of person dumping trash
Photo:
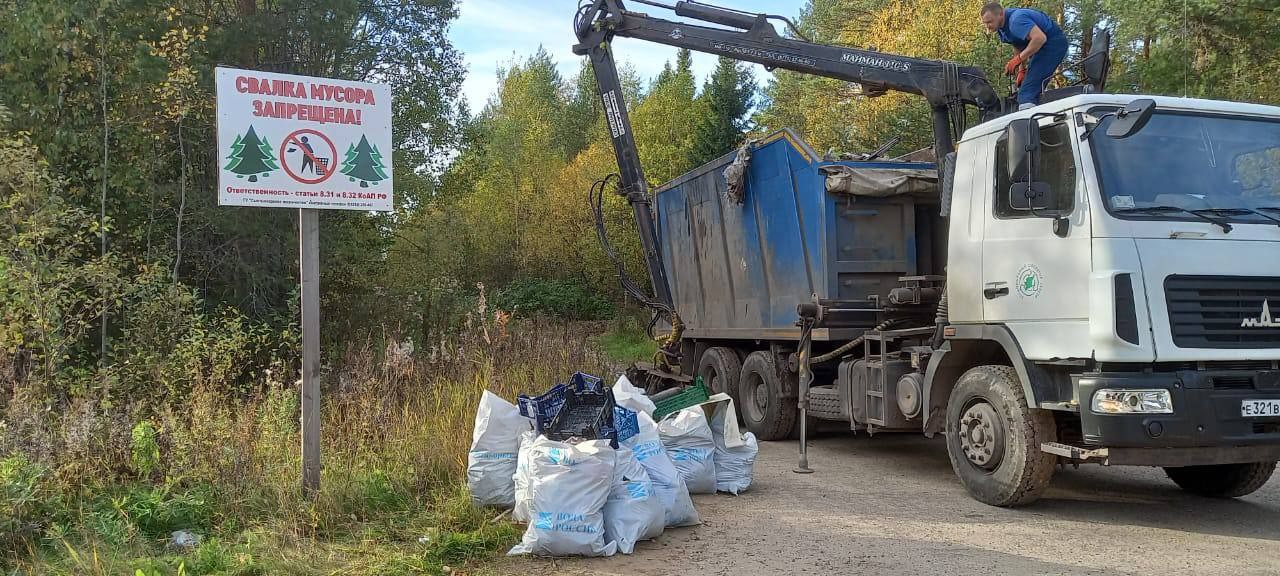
(308, 156)
(319, 165)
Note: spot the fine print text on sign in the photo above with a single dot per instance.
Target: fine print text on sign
(301, 142)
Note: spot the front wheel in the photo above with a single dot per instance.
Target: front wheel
(994, 438)
(1222, 480)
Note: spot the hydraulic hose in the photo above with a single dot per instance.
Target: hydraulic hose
(941, 318)
(850, 345)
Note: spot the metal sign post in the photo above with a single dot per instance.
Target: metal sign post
(287, 141)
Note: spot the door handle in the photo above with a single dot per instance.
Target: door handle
(993, 292)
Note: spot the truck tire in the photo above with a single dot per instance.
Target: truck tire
(766, 412)
(994, 438)
(720, 369)
(1223, 480)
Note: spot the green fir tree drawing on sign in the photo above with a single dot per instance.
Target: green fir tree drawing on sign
(251, 156)
(364, 163)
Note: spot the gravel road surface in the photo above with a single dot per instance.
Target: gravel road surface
(891, 505)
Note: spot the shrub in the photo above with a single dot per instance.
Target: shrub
(144, 450)
(28, 502)
(557, 298)
(155, 512)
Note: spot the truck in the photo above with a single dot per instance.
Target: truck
(1084, 281)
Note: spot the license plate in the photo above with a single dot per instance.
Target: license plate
(1259, 408)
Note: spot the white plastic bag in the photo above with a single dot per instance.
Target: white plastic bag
(734, 464)
(633, 512)
(687, 437)
(667, 483)
(568, 487)
(521, 478)
(492, 460)
(628, 396)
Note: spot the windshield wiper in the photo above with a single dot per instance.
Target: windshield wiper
(1226, 228)
(1239, 212)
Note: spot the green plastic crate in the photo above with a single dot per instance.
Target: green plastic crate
(691, 396)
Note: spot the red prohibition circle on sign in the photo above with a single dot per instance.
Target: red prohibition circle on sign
(323, 167)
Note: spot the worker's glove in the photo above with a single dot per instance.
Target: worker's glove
(1012, 67)
(1022, 75)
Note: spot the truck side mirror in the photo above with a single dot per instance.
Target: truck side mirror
(1023, 150)
(1032, 196)
(1132, 118)
(1027, 193)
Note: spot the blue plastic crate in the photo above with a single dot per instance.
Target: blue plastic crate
(544, 407)
(581, 381)
(625, 424)
(586, 415)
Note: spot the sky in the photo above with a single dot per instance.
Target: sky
(494, 33)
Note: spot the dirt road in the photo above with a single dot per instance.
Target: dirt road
(891, 505)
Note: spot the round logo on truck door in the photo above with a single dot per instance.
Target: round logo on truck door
(1030, 281)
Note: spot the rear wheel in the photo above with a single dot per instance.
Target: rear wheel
(1222, 480)
(720, 369)
(994, 438)
(765, 411)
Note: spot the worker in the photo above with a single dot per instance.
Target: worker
(1039, 42)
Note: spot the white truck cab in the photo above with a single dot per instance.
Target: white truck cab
(1124, 259)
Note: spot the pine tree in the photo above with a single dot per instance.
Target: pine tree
(727, 97)
(363, 162)
(251, 156)
(664, 122)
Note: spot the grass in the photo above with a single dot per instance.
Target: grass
(451, 533)
(392, 499)
(626, 341)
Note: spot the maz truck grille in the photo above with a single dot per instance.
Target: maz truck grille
(1224, 311)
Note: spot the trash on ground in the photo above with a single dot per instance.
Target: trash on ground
(587, 414)
(495, 441)
(628, 396)
(633, 512)
(521, 478)
(687, 438)
(734, 465)
(667, 483)
(569, 484)
(692, 395)
(587, 470)
(184, 540)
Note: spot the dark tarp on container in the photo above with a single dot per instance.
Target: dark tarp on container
(879, 182)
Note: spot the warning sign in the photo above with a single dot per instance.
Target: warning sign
(302, 142)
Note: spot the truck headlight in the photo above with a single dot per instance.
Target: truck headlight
(1108, 401)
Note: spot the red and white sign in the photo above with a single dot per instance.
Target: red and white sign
(290, 141)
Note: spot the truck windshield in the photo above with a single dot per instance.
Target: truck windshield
(1192, 167)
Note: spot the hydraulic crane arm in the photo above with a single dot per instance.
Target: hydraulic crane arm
(947, 86)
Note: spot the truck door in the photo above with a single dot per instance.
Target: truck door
(1036, 281)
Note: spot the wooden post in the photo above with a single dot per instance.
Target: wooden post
(309, 263)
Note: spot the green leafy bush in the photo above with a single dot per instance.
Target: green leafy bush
(558, 298)
(144, 450)
(28, 502)
(157, 511)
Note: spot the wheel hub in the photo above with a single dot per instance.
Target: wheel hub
(760, 397)
(982, 436)
(713, 381)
